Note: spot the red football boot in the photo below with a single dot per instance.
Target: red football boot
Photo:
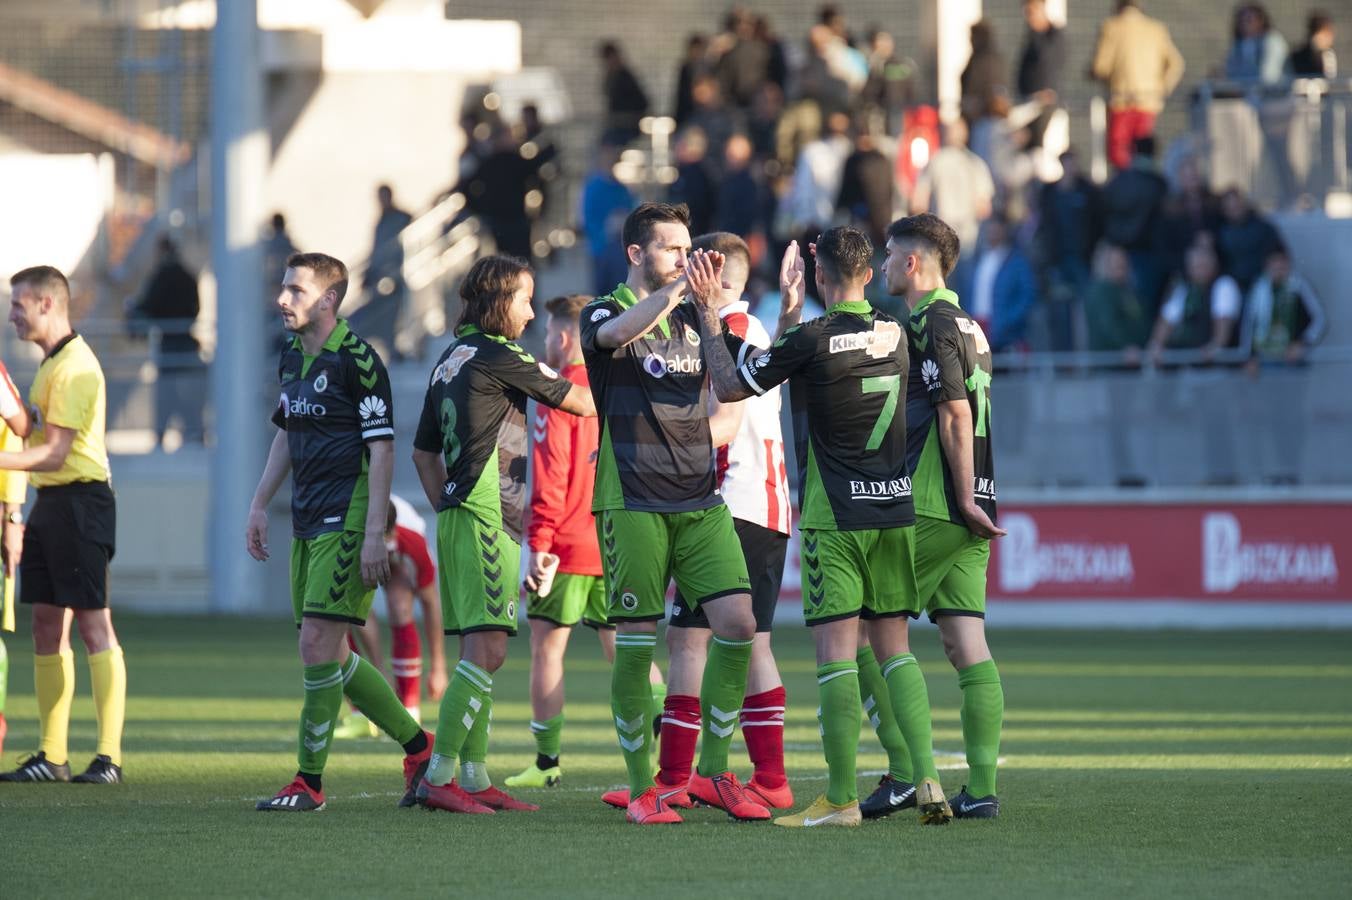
(725, 792)
(415, 767)
(449, 797)
(492, 797)
(295, 797)
(650, 809)
(771, 798)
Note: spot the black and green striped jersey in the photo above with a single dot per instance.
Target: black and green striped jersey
(331, 405)
(847, 379)
(474, 413)
(656, 453)
(950, 360)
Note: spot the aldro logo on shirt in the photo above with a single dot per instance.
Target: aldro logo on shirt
(301, 408)
(880, 342)
(683, 364)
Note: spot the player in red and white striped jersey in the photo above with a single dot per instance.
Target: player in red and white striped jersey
(754, 483)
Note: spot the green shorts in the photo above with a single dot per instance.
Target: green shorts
(572, 599)
(643, 551)
(478, 564)
(868, 573)
(326, 578)
(950, 563)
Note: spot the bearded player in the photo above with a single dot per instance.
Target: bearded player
(659, 514)
(563, 570)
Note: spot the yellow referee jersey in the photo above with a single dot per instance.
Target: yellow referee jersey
(69, 391)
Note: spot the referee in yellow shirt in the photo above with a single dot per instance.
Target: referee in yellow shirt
(69, 537)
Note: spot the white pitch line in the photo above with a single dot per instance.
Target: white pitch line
(378, 795)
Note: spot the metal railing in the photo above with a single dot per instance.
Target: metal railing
(1285, 145)
(438, 245)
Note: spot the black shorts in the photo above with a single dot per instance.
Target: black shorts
(67, 545)
(764, 550)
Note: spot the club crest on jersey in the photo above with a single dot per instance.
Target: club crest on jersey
(929, 373)
(629, 601)
(322, 382)
(451, 365)
(600, 314)
(881, 341)
(691, 337)
(973, 327)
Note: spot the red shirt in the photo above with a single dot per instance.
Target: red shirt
(563, 468)
(409, 559)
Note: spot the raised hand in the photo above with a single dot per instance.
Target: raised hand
(792, 283)
(704, 269)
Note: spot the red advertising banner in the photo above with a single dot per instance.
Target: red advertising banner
(1254, 551)
(1195, 552)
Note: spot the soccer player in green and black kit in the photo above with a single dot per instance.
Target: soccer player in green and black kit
(948, 413)
(470, 453)
(336, 433)
(848, 373)
(659, 515)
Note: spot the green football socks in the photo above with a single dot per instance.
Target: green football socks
(878, 707)
(323, 700)
(631, 703)
(911, 707)
(371, 693)
(838, 716)
(720, 701)
(474, 755)
(4, 675)
(470, 690)
(659, 703)
(983, 709)
(548, 735)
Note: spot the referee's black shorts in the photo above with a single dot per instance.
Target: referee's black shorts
(764, 549)
(67, 545)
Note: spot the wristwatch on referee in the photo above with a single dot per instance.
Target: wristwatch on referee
(14, 518)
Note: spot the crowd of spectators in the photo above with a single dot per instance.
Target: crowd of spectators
(776, 141)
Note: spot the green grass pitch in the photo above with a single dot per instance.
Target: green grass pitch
(1136, 764)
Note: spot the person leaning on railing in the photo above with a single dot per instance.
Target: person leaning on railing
(1201, 310)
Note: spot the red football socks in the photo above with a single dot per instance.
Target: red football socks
(763, 730)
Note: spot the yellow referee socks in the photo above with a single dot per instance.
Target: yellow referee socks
(108, 672)
(54, 679)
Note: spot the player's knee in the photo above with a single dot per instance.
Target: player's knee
(48, 634)
(952, 644)
(682, 641)
(738, 627)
